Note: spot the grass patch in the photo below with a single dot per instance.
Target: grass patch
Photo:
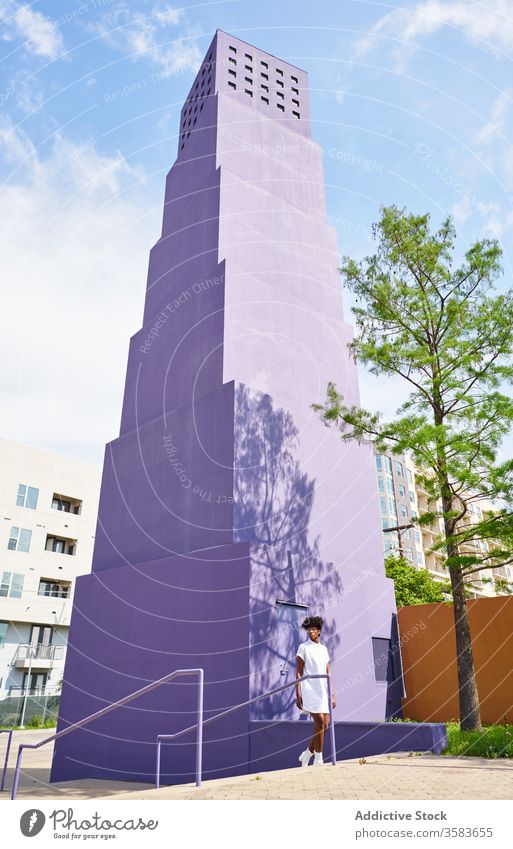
(494, 741)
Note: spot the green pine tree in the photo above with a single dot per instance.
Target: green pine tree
(450, 338)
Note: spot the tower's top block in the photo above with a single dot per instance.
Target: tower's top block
(258, 79)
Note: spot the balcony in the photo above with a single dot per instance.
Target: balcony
(60, 545)
(43, 657)
(66, 504)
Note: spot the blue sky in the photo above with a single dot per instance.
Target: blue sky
(412, 104)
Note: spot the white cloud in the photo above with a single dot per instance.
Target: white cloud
(494, 139)
(17, 148)
(75, 241)
(495, 127)
(41, 36)
(498, 221)
(150, 37)
(461, 210)
(488, 23)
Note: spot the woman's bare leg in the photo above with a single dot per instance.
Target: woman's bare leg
(317, 740)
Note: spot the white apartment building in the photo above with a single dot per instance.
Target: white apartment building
(399, 505)
(403, 498)
(48, 507)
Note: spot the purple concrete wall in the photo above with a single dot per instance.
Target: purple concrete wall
(273, 745)
(167, 486)
(136, 624)
(224, 493)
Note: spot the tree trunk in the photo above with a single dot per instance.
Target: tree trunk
(470, 713)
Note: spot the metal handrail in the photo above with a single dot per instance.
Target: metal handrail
(125, 700)
(162, 737)
(9, 732)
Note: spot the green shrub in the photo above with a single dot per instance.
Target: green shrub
(37, 722)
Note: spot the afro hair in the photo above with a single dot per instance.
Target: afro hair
(313, 622)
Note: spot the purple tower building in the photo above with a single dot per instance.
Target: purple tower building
(227, 510)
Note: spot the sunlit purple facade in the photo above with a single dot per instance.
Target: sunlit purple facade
(227, 509)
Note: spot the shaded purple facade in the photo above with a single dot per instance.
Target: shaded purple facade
(224, 495)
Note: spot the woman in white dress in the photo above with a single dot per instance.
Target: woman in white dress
(312, 695)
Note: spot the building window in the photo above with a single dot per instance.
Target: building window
(232, 85)
(265, 99)
(248, 80)
(279, 71)
(281, 106)
(264, 64)
(381, 484)
(54, 589)
(280, 94)
(36, 685)
(296, 115)
(295, 91)
(247, 56)
(411, 496)
(19, 539)
(379, 464)
(66, 504)
(3, 633)
(41, 635)
(294, 79)
(232, 60)
(381, 654)
(295, 102)
(409, 555)
(232, 49)
(402, 491)
(248, 68)
(383, 504)
(264, 76)
(247, 91)
(27, 496)
(410, 475)
(12, 585)
(264, 87)
(388, 464)
(60, 545)
(232, 73)
(404, 511)
(280, 83)
(399, 469)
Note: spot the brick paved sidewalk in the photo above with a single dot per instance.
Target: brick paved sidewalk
(397, 776)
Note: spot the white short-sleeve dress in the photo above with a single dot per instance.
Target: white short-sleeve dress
(314, 693)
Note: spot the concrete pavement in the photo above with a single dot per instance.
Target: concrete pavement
(397, 776)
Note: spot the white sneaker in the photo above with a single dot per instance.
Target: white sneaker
(318, 759)
(305, 757)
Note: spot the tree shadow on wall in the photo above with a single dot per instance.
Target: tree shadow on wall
(273, 500)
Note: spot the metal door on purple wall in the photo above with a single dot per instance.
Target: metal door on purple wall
(289, 619)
